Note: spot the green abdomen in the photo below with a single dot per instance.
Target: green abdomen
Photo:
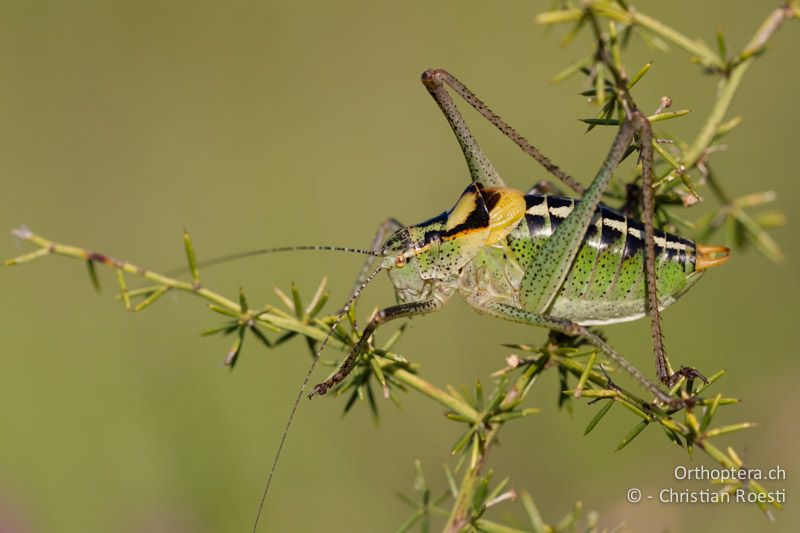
(606, 282)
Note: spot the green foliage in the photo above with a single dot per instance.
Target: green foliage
(681, 167)
(683, 170)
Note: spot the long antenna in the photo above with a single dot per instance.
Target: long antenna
(262, 251)
(297, 400)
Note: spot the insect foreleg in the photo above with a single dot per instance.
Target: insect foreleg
(381, 317)
(435, 80)
(387, 227)
(515, 314)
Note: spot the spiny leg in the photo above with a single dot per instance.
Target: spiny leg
(633, 201)
(480, 168)
(544, 187)
(663, 368)
(551, 265)
(515, 314)
(436, 79)
(381, 317)
(633, 113)
(545, 275)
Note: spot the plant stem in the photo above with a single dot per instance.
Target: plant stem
(695, 47)
(271, 316)
(431, 391)
(730, 84)
(460, 515)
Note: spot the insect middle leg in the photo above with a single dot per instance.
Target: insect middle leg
(381, 317)
(387, 227)
(516, 314)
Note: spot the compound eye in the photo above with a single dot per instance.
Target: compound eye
(400, 261)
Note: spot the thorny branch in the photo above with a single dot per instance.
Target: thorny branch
(581, 373)
(483, 419)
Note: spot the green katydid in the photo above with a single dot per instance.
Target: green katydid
(539, 259)
(534, 258)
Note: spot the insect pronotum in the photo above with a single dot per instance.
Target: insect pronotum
(535, 258)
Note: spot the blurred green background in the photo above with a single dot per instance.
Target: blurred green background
(267, 123)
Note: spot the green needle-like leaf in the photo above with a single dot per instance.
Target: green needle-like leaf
(512, 415)
(478, 395)
(260, 336)
(405, 499)
(379, 376)
(236, 348)
(155, 295)
(93, 275)
(724, 128)
(710, 410)
(243, 301)
(667, 115)
(123, 289)
(191, 258)
(721, 46)
(537, 524)
(373, 405)
(297, 303)
(223, 310)
(585, 375)
(564, 400)
(599, 85)
(462, 442)
(475, 450)
(572, 70)
(672, 436)
(481, 492)
(319, 298)
(639, 75)
(632, 434)
(560, 16)
(570, 520)
(285, 299)
(451, 482)
(498, 395)
(225, 329)
(724, 430)
(411, 522)
(600, 414)
(487, 526)
(26, 258)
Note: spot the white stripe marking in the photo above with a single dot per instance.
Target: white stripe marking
(537, 210)
(561, 212)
